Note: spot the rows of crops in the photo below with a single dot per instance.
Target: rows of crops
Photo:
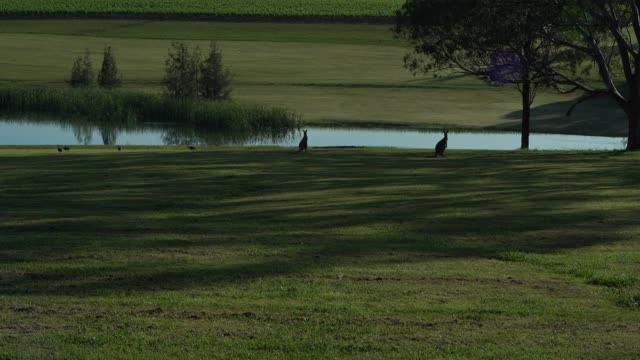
(266, 8)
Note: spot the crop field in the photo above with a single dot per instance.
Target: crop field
(263, 8)
(163, 253)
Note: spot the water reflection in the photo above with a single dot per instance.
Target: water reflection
(109, 135)
(83, 133)
(48, 131)
(172, 135)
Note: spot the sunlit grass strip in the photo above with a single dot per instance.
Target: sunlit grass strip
(266, 8)
(119, 107)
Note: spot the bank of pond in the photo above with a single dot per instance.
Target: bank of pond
(49, 131)
(91, 116)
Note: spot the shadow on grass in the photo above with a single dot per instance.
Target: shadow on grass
(95, 224)
(596, 117)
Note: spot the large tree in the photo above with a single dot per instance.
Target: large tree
(604, 33)
(497, 41)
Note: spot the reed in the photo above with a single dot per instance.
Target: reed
(97, 106)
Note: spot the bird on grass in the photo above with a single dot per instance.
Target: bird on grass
(191, 147)
(59, 149)
(66, 148)
(119, 148)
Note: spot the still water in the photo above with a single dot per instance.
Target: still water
(39, 132)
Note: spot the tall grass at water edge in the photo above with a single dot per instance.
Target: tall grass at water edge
(99, 106)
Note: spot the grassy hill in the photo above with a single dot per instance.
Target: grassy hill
(260, 253)
(337, 74)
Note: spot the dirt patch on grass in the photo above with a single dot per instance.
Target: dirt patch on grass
(177, 251)
(24, 328)
(83, 257)
(362, 278)
(22, 309)
(29, 309)
(546, 285)
(551, 286)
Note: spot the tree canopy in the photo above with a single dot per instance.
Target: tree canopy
(215, 81)
(496, 41)
(602, 34)
(82, 71)
(554, 43)
(108, 76)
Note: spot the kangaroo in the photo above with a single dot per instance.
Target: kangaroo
(303, 143)
(441, 146)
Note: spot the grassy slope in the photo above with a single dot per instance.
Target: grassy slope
(164, 253)
(213, 7)
(328, 73)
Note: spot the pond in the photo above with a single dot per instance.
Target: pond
(52, 132)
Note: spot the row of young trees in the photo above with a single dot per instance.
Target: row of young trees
(187, 73)
(82, 71)
(556, 44)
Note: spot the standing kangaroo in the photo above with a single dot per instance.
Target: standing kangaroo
(441, 146)
(303, 143)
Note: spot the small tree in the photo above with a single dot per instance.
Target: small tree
(108, 76)
(182, 68)
(215, 81)
(82, 72)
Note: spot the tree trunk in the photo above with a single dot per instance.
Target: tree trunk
(526, 111)
(634, 131)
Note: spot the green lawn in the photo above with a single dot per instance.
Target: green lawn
(344, 74)
(260, 253)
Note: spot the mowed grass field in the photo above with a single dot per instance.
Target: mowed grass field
(156, 253)
(341, 8)
(330, 74)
